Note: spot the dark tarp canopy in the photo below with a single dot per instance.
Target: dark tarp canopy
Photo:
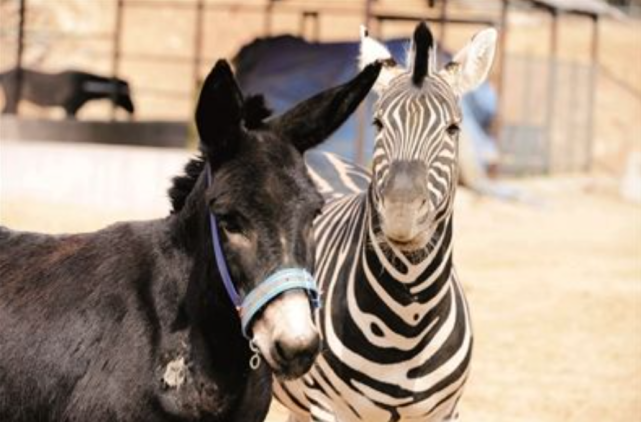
(288, 69)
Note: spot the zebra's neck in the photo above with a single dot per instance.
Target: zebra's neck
(416, 276)
(395, 305)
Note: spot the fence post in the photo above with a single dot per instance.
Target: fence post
(594, 73)
(115, 57)
(551, 100)
(19, 53)
(198, 43)
(443, 19)
(497, 126)
(361, 114)
(267, 27)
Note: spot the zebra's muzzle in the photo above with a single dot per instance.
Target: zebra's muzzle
(404, 201)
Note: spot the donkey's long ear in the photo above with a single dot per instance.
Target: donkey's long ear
(373, 51)
(313, 120)
(219, 111)
(472, 64)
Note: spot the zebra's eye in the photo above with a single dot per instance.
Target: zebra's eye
(453, 130)
(378, 124)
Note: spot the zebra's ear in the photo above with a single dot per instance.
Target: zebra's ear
(471, 66)
(373, 51)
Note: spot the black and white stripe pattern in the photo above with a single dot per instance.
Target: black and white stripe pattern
(418, 124)
(395, 323)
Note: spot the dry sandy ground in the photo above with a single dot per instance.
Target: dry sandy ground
(555, 291)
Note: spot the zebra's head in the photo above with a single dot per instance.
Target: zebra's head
(418, 121)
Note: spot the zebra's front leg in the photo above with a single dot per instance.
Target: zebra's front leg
(454, 417)
(295, 418)
(321, 415)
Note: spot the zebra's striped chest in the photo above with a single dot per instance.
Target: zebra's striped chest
(391, 342)
(396, 376)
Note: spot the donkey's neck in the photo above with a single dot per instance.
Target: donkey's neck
(207, 305)
(201, 333)
(416, 276)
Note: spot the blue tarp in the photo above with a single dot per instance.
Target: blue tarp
(288, 69)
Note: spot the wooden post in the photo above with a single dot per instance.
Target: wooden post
(550, 117)
(594, 73)
(198, 46)
(443, 19)
(19, 54)
(267, 31)
(368, 12)
(361, 114)
(115, 55)
(496, 127)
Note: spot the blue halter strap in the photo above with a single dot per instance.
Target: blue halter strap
(276, 284)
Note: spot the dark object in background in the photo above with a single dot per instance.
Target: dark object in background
(69, 89)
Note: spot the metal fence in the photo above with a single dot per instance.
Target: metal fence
(546, 105)
(547, 126)
(186, 38)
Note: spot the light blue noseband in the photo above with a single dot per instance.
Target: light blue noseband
(279, 282)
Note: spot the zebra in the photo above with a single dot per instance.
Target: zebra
(394, 322)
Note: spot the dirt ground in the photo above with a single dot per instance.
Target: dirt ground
(555, 290)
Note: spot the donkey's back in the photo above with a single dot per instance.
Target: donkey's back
(77, 325)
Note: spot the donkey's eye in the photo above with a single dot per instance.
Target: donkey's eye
(231, 223)
(378, 124)
(453, 130)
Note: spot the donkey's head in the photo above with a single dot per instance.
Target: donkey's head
(264, 203)
(418, 120)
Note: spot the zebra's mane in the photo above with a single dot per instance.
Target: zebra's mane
(423, 42)
(255, 111)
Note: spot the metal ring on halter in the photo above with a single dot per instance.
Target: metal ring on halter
(254, 360)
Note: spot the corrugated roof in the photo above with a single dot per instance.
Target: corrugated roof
(583, 7)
